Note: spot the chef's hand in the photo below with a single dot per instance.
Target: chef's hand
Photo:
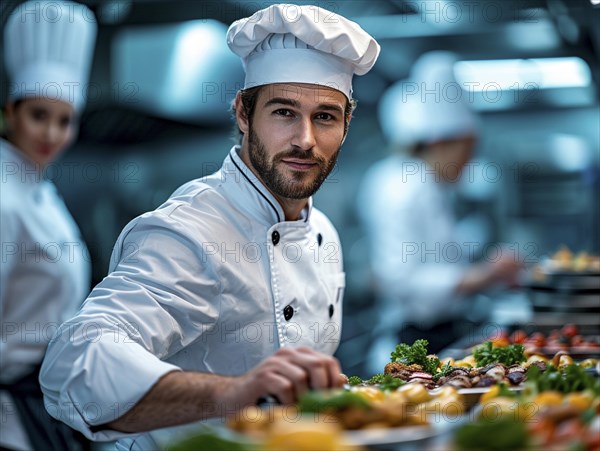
(286, 375)
(503, 270)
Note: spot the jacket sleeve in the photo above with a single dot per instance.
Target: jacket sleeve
(160, 295)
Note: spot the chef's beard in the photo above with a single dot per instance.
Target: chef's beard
(289, 186)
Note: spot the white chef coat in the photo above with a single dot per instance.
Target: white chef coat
(44, 275)
(416, 259)
(214, 280)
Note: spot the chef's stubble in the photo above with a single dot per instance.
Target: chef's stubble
(296, 186)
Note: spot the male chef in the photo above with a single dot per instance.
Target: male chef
(232, 289)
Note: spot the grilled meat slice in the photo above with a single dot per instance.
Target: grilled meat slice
(516, 377)
(401, 371)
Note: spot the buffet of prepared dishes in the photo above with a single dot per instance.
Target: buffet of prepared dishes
(501, 395)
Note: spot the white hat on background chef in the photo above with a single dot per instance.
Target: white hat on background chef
(287, 43)
(429, 106)
(48, 51)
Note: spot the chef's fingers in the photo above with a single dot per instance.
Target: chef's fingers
(297, 375)
(332, 366)
(278, 386)
(324, 371)
(281, 376)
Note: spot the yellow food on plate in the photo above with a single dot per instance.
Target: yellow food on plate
(415, 393)
(446, 361)
(501, 407)
(565, 260)
(306, 434)
(562, 257)
(462, 364)
(580, 400)
(369, 393)
(548, 398)
(589, 363)
(493, 392)
(535, 358)
(445, 391)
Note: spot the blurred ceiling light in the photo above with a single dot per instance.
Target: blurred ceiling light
(521, 74)
(191, 75)
(196, 46)
(540, 34)
(595, 2)
(569, 153)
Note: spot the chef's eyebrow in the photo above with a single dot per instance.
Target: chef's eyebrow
(294, 103)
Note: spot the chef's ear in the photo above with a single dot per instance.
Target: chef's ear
(240, 114)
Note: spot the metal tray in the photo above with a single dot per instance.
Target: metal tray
(566, 282)
(551, 300)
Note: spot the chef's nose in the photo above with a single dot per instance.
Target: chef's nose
(52, 132)
(304, 137)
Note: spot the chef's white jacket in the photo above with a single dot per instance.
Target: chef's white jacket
(214, 280)
(44, 275)
(417, 260)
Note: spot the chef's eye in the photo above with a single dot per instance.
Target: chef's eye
(325, 117)
(65, 121)
(38, 114)
(283, 112)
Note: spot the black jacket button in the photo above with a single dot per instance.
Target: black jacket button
(330, 310)
(319, 239)
(288, 312)
(275, 237)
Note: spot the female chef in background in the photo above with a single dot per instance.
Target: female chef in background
(417, 259)
(45, 271)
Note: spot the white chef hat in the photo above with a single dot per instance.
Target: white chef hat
(429, 106)
(49, 47)
(287, 43)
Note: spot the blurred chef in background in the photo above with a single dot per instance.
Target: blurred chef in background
(422, 274)
(45, 272)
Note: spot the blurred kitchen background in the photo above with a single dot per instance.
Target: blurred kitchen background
(163, 77)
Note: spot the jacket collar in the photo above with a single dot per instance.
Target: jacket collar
(249, 193)
(17, 166)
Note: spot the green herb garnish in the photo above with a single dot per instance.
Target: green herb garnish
(444, 371)
(415, 354)
(492, 435)
(376, 379)
(567, 379)
(322, 401)
(354, 380)
(385, 381)
(212, 441)
(507, 355)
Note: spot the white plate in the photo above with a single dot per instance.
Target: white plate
(404, 434)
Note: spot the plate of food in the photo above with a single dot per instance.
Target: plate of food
(566, 272)
(361, 415)
(405, 435)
